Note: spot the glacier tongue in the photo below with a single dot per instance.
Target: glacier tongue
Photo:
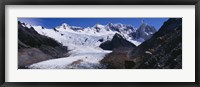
(82, 58)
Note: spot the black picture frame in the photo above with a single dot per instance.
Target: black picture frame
(99, 2)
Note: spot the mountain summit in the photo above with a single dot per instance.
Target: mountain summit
(145, 31)
(117, 42)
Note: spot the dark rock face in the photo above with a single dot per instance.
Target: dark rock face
(33, 47)
(117, 42)
(162, 51)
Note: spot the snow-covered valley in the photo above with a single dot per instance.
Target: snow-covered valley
(83, 43)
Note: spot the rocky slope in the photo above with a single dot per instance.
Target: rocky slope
(163, 50)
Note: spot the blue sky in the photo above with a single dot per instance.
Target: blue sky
(89, 22)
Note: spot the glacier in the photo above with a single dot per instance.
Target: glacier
(83, 44)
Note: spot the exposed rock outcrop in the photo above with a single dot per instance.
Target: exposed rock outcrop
(117, 42)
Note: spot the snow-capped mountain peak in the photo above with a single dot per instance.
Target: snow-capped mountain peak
(99, 26)
(109, 24)
(145, 31)
(63, 26)
(66, 26)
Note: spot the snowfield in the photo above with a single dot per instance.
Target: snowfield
(83, 58)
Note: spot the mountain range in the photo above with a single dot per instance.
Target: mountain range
(100, 46)
(93, 36)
